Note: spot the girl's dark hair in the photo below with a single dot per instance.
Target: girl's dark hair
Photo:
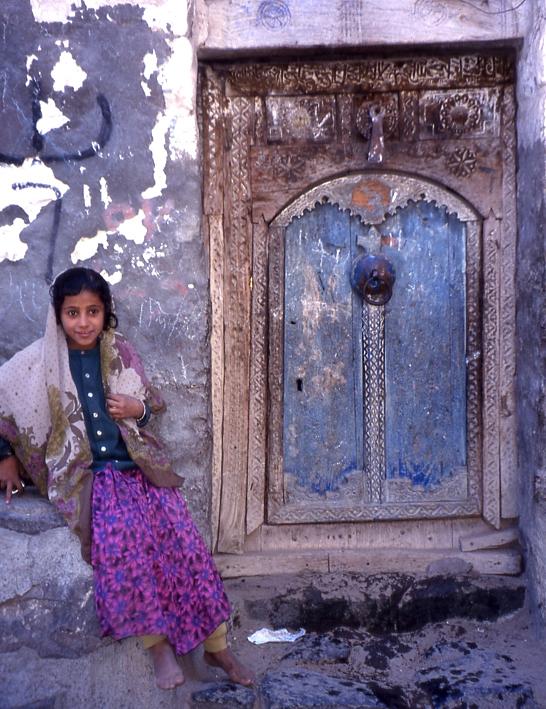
(74, 281)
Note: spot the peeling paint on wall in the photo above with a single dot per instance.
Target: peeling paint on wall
(105, 197)
(150, 68)
(162, 16)
(159, 155)
(67, 72)
(52, 117)
(11, 246)
(134, 229)
(177, 77)
(31, 187)
(86, 196)
(88, 246)
(30, 60)
(46, 11)
(114, 277)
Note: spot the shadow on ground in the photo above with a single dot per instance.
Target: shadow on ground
(386, 640)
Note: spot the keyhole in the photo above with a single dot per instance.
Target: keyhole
(299, 384)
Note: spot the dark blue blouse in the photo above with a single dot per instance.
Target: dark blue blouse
(104, 435)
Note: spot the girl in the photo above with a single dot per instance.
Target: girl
(73, 412)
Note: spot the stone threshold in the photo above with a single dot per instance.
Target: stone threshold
(417, 561)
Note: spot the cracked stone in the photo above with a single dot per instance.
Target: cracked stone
(300, 688)
(225, 694)
(319, 649)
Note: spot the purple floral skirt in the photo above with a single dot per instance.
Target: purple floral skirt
(153, 574)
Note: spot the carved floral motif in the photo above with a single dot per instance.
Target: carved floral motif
(283, 166)
(460, 113)
(461, 162)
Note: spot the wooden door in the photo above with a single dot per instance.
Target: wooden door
(325, 409)
(378, 414)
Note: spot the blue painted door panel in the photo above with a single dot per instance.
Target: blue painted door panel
(324, 425)
(425, 370)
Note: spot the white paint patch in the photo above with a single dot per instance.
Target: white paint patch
(151, 253)
(52, 117)
(112, 278)
(88, 246)
(169, 15)
(30, 186)
(163, 15)
(105, 197)
(150, 65)
(159, 155)
(67, 72)
(11, 246)
(86, 196)
(47, 11)
(134, 229)
(177, 77)
(30, 61)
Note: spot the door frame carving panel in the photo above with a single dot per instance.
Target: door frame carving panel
(248, 182)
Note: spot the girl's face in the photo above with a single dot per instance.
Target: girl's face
(82, 318)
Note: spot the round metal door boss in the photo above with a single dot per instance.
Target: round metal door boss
(373, 277)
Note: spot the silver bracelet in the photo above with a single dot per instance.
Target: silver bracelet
(141, 418)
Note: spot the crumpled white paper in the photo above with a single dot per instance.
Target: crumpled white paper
(266, 635)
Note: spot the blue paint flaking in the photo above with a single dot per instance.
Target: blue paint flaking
(426, 475)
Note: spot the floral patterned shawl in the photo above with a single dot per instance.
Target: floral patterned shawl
(42, 418)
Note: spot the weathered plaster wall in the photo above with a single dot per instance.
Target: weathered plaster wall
(98, 167)
(531, 301)
(108, 177)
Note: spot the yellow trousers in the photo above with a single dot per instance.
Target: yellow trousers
(215, 642)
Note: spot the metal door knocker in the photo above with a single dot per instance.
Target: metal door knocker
(373, 277)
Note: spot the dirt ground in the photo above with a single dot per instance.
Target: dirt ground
(464, 661)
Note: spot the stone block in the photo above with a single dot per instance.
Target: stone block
(226, 694)
(16, 577)
(300, 688)
(30, 513)
(452, 566)
(319, 649)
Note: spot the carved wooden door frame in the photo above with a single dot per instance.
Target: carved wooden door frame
(452, 125)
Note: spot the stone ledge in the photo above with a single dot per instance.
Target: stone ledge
(30, 513)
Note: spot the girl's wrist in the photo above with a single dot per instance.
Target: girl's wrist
(140, 418)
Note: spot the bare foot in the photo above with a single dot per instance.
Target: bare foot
(227, 661)
(168, 674)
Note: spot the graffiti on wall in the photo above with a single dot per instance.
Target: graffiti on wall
(31, 173)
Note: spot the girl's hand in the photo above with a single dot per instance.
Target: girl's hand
(121, 406)
(9, 477)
